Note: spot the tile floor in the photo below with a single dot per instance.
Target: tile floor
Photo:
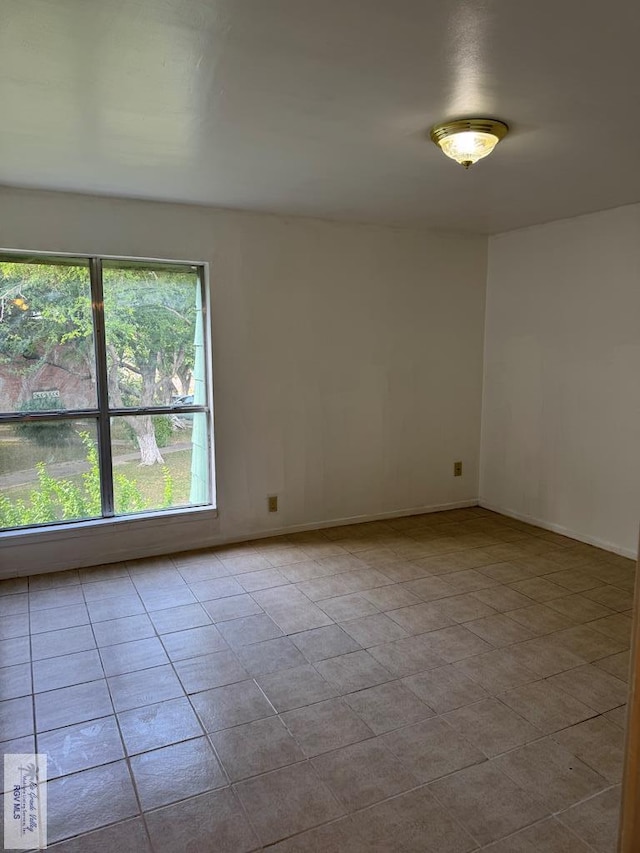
(443, 683)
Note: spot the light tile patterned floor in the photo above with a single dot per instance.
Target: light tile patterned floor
(443, 683)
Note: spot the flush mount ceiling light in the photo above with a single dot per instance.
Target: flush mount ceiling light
(469, 139)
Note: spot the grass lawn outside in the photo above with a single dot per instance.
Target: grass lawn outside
(149, 480)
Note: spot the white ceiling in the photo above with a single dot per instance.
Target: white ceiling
(321, 107)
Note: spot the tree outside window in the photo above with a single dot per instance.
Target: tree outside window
(99, 362)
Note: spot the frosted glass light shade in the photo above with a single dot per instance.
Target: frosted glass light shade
(469, 146)
(468, 140)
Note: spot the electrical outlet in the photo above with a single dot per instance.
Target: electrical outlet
(272, 502)
(457, 469)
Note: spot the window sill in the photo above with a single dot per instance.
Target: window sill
(71, 528)
(89, 543)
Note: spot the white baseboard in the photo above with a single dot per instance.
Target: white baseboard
(559, 528)
(354, 519)
(76, 546)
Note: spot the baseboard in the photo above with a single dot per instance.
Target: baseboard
(354, 519)
(559, 528)
(77, 546)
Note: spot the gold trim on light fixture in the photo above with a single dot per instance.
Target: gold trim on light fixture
(468, 140)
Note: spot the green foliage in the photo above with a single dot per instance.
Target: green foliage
(63, 500)
(11, 514)
(44, 306)
(91, 478)
(46, 433)
(163, 430)
(168, 487)
(125, 429)
(150, 317)
(46, 317)
(127, 495)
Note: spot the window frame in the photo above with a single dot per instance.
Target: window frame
(103, 413)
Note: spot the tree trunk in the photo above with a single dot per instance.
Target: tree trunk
(146, 438)
(184, 377)
(142, 425)
(168, 390)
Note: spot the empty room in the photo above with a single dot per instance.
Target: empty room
(319, 426)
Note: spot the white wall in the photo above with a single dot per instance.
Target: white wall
(561, 411)
(347, 364)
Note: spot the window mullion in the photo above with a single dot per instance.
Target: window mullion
(104, 423)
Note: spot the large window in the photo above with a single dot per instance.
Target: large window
(104, 404)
